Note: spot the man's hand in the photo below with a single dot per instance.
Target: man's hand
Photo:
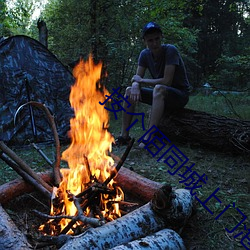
(136, 78)
(135, 93)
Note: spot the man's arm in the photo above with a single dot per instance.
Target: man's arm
(166, 80)
(135, 93)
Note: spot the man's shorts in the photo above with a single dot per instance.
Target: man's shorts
(175, 98)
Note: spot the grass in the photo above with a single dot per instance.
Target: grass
(228, 172)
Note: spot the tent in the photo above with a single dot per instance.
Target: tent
(30, 72)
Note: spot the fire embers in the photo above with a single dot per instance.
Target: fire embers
(95, 206)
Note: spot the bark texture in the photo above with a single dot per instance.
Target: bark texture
(163, 239)
(212, 131)
(140, 187)
(43, 32)
(15, 188)
(10, 237)
(166, 210)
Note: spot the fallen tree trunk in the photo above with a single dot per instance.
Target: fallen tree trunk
(168, 209)
(10, 237)
(163, 239)
(212, 131)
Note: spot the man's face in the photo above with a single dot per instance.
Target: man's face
(153, 40)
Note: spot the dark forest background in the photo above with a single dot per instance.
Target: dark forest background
(212, 35)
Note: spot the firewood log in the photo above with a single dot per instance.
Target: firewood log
(10, 237)
(161, 240)
(18, 187)
(136, 185)
(150, 218)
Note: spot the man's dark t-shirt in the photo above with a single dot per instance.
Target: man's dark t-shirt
(171, 56)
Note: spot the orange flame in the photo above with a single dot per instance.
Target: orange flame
(90, 137)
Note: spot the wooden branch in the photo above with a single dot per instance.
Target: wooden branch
(17, 187)
(211, 131)
(136, 185)
(23, 165)
(26, 176)
(120, 163)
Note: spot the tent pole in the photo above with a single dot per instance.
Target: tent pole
(33, 125)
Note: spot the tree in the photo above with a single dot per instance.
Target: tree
(111, 30)
(4, 20)
(222, 32)
(20, 15)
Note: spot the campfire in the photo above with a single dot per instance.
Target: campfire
(87, 188)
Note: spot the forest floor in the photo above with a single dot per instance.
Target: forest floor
(226, 171)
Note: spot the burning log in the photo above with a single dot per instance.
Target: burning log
(10, 237)
(167, 209)
(163, 239)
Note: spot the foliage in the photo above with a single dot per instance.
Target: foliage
(4, 19)
(212, 35)
(112, 32)
(232, 71)
(223, 31)
(20, 15)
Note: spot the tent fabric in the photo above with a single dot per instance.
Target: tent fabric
(30, 72)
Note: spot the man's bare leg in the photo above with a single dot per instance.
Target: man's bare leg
(157, 109)
(126, 118)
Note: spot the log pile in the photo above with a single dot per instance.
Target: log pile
(163, 207)
(211, 131)
(167, 209)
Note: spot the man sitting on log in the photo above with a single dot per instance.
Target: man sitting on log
(169, 87)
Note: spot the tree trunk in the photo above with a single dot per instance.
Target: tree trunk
(43, 32)
(10, 237)
(212, 131)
